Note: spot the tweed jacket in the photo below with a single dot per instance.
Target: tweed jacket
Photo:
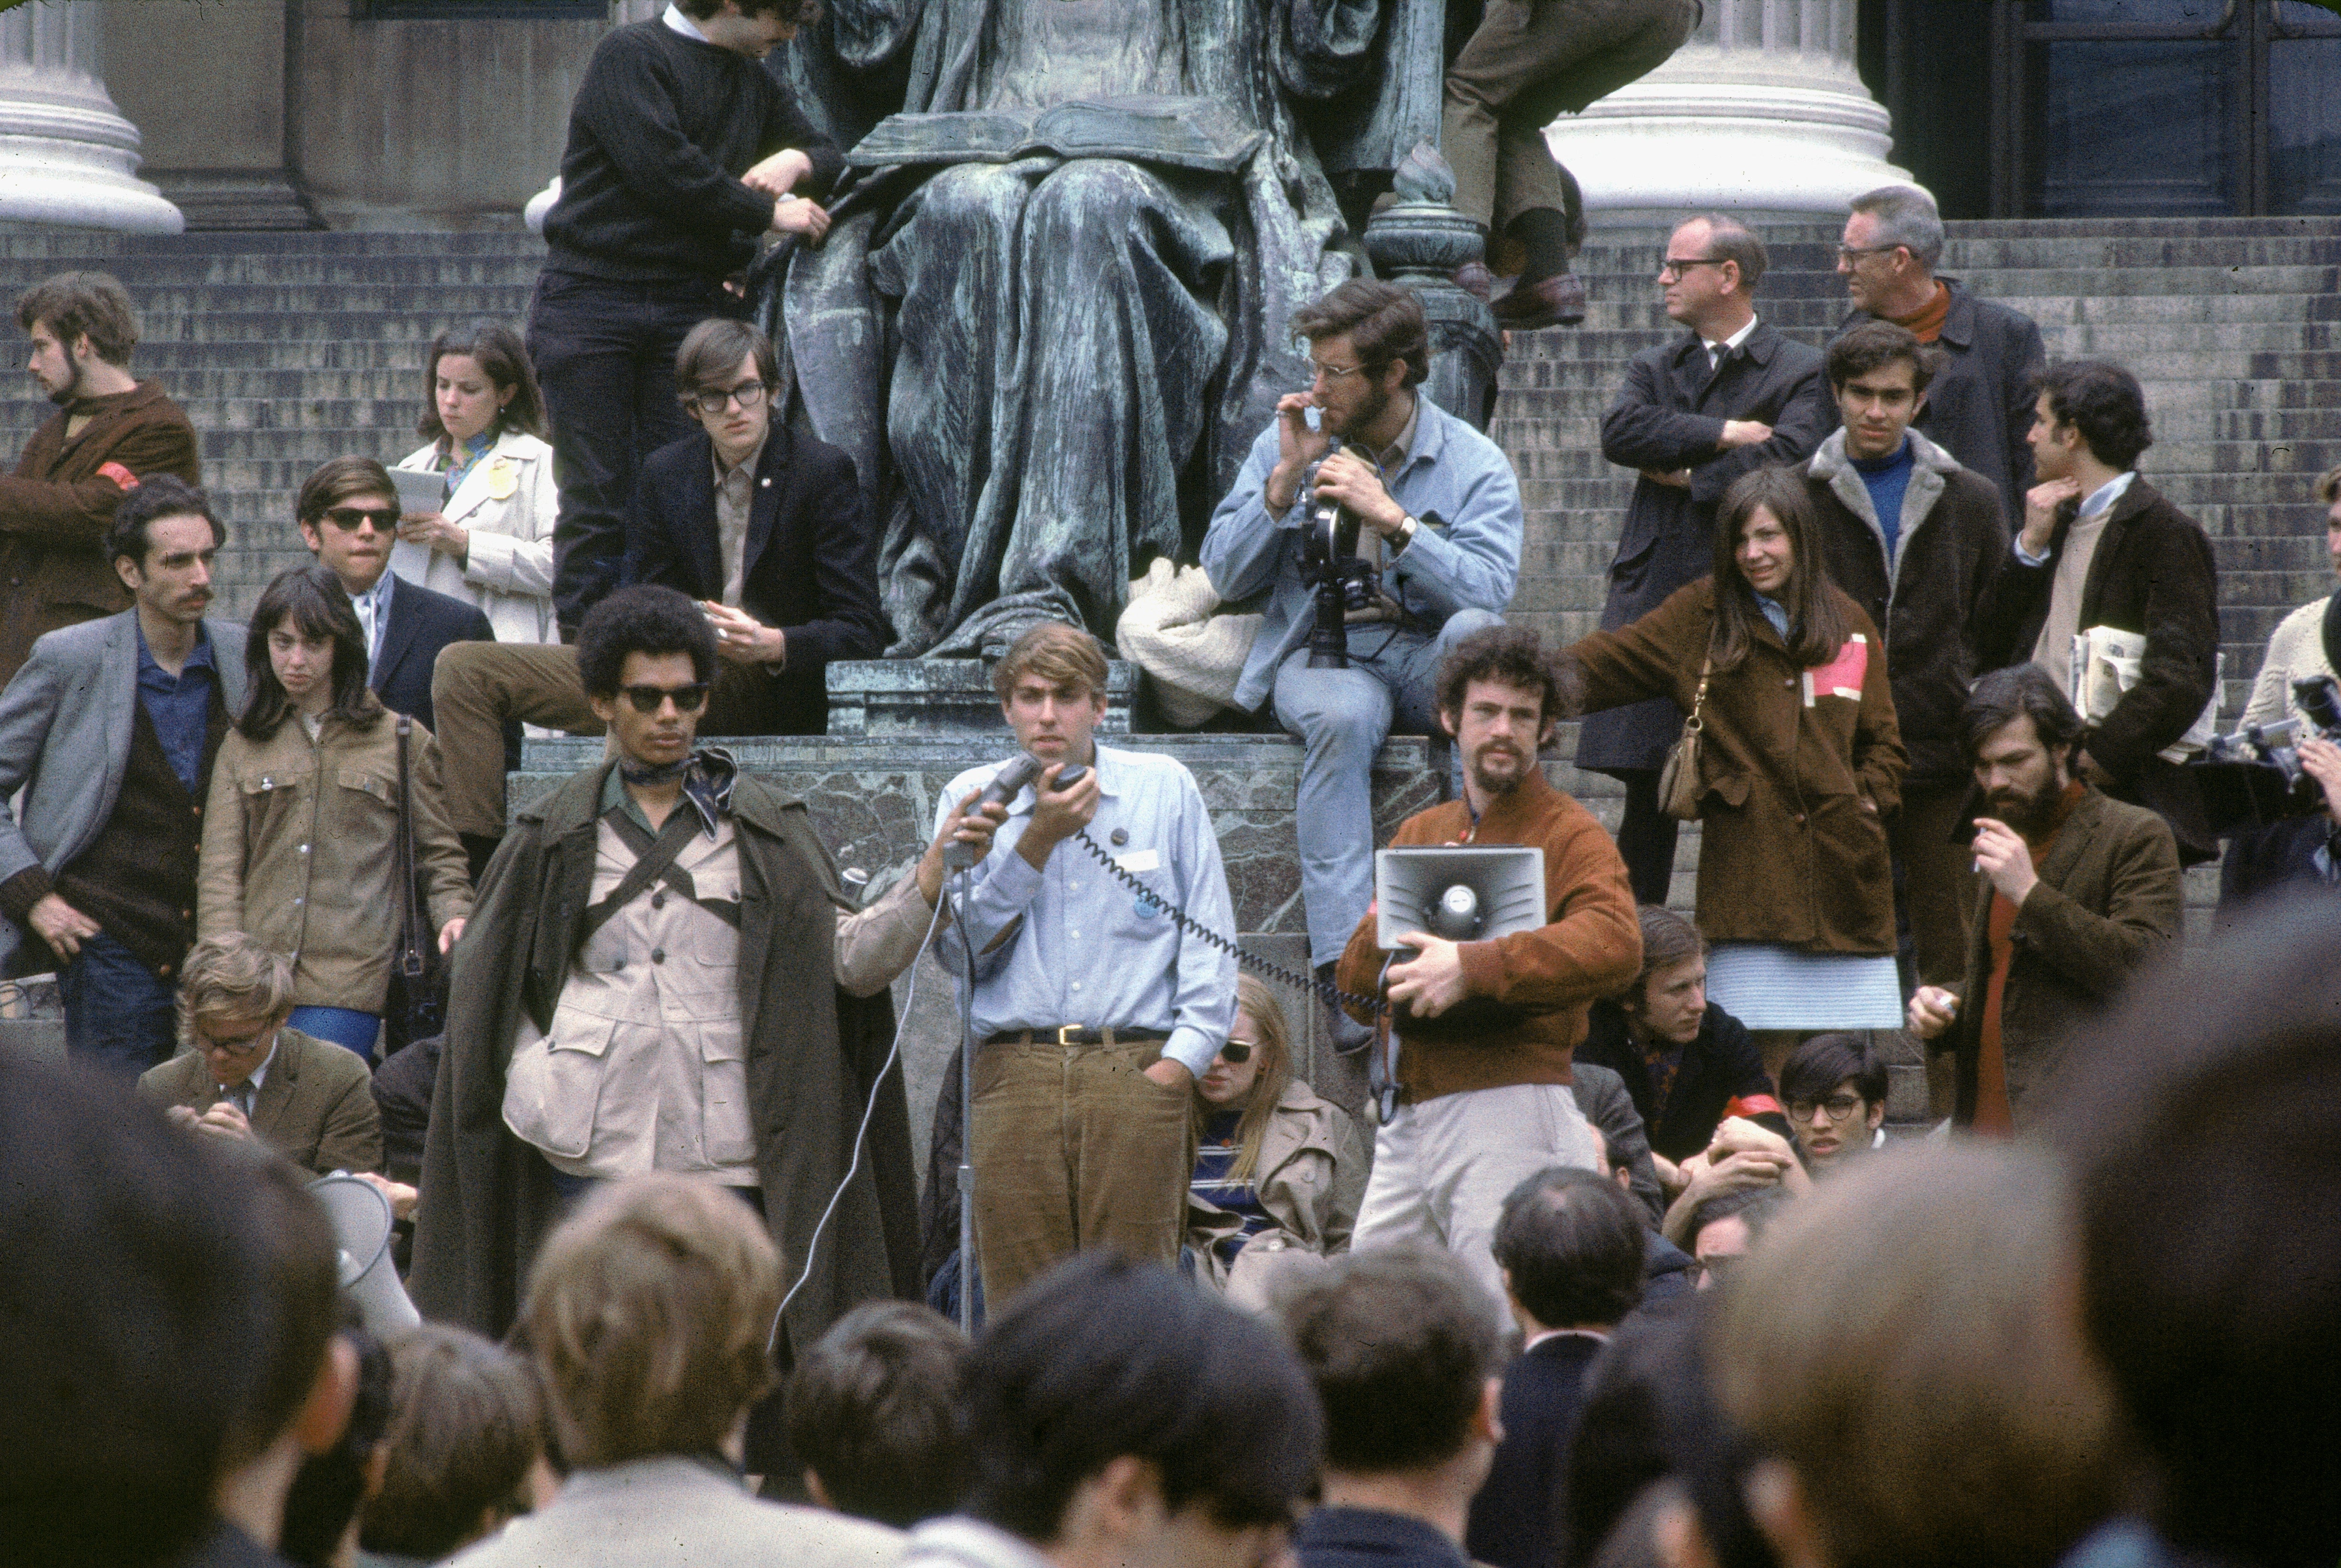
(1670, 415)
(2106, 902)
(2153, 574)
(64, 740)
(1312, 1179)
(1951, 545)
(1979, 405)
(1788, 854)
(507, 502)
(299, 847)
(55, 508)
(315, 1104)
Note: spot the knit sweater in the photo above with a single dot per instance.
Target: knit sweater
(662, 130)
(1527, 994)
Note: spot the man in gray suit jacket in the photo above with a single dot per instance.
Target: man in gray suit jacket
(110, 729)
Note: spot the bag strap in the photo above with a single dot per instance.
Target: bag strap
(653, 863)
(1694, 724)
(413, 961)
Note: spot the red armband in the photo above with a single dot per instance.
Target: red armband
(1754, 1106)
(121, 476)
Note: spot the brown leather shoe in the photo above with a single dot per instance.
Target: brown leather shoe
(1474, 279)
(1556, 302)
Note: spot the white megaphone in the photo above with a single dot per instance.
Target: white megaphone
(1462, 892)
(362, 1224)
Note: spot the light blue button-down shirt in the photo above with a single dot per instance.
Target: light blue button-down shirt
(1465, 555)
(1089, 950)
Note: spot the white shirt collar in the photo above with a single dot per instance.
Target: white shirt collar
(1538, 1339)
(2106, 494)
(259, 1075)
(681, 24)
(1718, 350)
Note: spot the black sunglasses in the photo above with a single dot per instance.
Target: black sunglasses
(348, 518)
(687, 698)
(1236, 1053)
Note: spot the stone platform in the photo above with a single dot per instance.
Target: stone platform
(875, 800)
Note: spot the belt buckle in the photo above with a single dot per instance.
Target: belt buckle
(1065, 1029)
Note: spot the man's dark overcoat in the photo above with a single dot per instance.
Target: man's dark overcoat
(813, 1053)
(1670, 416)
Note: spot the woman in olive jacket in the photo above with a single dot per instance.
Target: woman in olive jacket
(1800, 759)
(302, 829)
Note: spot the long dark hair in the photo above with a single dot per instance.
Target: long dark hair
(505, 361)
(311, 598)
(1818, 626)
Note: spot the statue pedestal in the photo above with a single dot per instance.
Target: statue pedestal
(1762, 114)
(874, 798)
(1419, 241)
(930, 697)
(67, 157)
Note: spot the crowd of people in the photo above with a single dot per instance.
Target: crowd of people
(1618, 1265)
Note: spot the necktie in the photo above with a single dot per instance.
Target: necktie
(241, 1097)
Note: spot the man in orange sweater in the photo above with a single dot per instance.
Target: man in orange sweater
(1488, 1028)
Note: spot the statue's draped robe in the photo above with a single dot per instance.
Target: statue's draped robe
(1048, 369)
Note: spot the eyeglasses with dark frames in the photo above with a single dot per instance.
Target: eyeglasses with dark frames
(748, 395)
(1848, 253)
(1838, 1107)
(1676, 266)
(647, 699)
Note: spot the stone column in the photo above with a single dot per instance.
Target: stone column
(1761, 113)
(67, 156)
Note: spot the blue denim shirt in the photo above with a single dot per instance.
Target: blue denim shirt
(1465, 555)
(179, 705)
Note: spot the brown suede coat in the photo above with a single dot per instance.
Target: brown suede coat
(1528, 993)
(1786, 851)
(55, 508)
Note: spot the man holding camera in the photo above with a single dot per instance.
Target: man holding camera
(1435, 513)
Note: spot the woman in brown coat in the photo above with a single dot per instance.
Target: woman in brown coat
(1800, 762)
(300, 832)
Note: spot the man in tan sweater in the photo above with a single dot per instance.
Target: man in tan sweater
(1488, 1028)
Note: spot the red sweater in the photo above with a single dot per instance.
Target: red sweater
(1541, 982)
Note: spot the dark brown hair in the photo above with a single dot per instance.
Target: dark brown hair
(2103, 403)
(337, 481)
(1401, 1343)
(1818, 623)
(1382, 321)
(503, 360)
(803, 12)
(1511, 656)
(1873, 344)
(1667, 938)
(713, 349)
(2329, 486)
(1056, 652)
(873, 1412)
(466, 1423)
(312, 598)
(74, 303)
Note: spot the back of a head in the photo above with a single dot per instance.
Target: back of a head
(648, 1310)
(1103, 1356)
(466, 1423)
(1401, 1343)
(2203, 1124)
(1571, 1242)
(1904, 1341)
(155, 1321)
(873, 1412)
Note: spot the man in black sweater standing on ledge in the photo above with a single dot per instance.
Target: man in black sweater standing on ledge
(682, 150)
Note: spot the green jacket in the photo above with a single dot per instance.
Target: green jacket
(813, 1055)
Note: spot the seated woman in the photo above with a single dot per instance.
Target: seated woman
(1277, 1169)
(1835, 1088)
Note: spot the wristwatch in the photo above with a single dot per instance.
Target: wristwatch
(1405, 534)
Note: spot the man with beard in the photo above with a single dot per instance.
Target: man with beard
(2081, 891)
(110, 430)
(109, 730)
(1439, 515)
(1489, 1027)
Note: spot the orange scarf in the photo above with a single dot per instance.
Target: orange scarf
(1928, 322)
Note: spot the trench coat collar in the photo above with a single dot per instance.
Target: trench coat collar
(1688, 364)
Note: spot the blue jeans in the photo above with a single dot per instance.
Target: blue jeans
(604, 355)
(120, 1015)
(345, 1027)
(1343, 716)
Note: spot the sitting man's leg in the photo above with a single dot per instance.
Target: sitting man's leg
(477, 688)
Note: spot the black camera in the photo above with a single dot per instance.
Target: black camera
(2255, 775)
(1342, 580)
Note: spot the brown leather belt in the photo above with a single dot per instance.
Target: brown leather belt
(1077, 1035)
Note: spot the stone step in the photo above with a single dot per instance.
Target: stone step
(194, 311)
(2081, 278)
(2056, 312)
(103, 249)
(149, 277)
(1967, 229)
(2137, 253)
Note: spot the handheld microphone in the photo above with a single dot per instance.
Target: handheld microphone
(1014, 774)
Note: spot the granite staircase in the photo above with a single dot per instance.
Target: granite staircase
(2230, 323)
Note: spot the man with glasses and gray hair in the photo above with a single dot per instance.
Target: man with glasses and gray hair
(764, 527)
(1730, 396)
(1979, 403)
